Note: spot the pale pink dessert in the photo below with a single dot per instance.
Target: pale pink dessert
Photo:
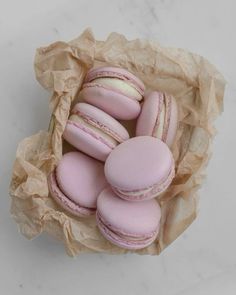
(114, 90)
(127, 224)
(76, 183)
(140, 168)
(158, 117)
(93, 131)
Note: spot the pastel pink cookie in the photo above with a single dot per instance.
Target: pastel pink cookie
(126, 224)
(158, 117)
(140, 168)
(114, 90)
(93, 131)
(76, 183)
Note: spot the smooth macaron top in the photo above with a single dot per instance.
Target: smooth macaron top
(80, 178)
(115, 72)
(101, 120)
(140, 218)
(139, 163)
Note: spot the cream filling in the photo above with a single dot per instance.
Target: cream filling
(125, 236)
(135, 193)
(158, 131)
(121, 85)
(152, 190)
(78, 119)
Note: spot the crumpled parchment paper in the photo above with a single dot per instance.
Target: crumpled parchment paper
(60, 68)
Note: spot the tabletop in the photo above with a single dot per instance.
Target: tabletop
(202, 260)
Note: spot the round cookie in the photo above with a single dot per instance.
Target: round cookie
(158, 117)
(114, 90)
(93, 131)
(126, 224)
(76, 183)
(140, 168)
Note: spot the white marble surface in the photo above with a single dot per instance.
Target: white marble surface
(203, 260)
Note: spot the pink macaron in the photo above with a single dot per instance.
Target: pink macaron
(93, 131)
(114, 90)
(140, 168)
(127, 224)
(158, 117)
(76, 183)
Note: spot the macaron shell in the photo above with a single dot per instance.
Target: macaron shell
(80, 178)
(85, 142)
(135, 219)
(173, 124)
(102, 119)
(148, 115)
(64, 202)
(116, 73)
(153, 111)
(138, 163)
(147, 193)
(114, 103)
(124, 242)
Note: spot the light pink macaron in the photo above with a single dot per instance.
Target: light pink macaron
(114, 90)
(76, 183)
(126, 224)
(93, 131)
(140, 168)
(158, 117)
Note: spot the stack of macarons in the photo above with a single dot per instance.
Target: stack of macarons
(122, 191)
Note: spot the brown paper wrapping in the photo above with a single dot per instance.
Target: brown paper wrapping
(60, 68)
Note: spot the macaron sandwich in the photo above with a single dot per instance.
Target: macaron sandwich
(114, 90)
(110, 175)
(131, 225)
(93, 131)
(159, 117)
